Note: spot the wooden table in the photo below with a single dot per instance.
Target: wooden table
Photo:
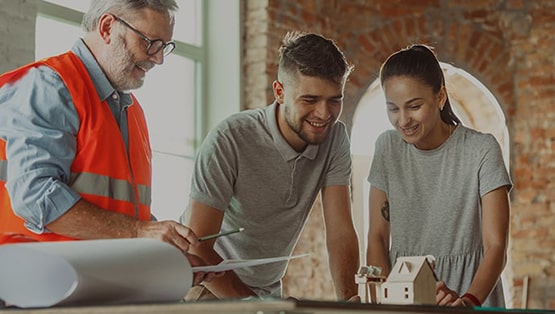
(262, 307)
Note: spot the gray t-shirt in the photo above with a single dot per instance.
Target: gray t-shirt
(434, 200)
(247, 169)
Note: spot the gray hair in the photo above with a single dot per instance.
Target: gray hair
(123, 8)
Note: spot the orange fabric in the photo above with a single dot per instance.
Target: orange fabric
(10, 237)
(99, 148)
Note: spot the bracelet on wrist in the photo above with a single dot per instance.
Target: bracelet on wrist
(472, 298)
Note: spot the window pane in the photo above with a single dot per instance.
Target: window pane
(80, 5)
(48, 41)
(171, 180)
(168, 101)
(188, 22)
(167, 98)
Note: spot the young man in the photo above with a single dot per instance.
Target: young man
(262, 170)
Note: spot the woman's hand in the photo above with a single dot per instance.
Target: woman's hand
(444, 295)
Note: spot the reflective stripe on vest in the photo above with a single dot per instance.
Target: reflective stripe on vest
(94, 184)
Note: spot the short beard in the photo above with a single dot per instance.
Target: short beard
(119, 64)
(298, 129)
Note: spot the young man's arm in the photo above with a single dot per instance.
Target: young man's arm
(341, 240)
(206, 220)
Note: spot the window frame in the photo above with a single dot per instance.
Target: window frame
(196, 53)
(217, 79)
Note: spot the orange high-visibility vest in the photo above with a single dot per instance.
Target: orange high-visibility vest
(101, 172)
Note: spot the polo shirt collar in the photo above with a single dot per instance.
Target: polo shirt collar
(286, 151)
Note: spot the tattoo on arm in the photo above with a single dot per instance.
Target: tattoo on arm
(385, 210)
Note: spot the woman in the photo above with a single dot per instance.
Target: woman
(437, 187)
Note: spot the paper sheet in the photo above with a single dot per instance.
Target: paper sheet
(231, 264)
(117, 271)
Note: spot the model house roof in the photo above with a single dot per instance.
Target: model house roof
(407, 268)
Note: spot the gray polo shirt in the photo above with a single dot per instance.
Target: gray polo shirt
(246, 169)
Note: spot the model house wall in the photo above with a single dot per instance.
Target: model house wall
(411, 281)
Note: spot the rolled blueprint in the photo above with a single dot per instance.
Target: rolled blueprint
(116, 271)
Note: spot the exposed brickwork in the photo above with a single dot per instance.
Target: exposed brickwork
(507, 45)
(256, 42)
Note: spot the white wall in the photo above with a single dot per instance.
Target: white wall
(223, 85)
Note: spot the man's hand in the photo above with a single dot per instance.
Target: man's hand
(200, 277)
(168, 231)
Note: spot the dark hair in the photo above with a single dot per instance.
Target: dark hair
(312, 55)
(419, 62)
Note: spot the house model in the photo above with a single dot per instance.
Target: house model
(411, 281)
(369, 279)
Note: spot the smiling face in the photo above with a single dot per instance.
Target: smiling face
(126, 61)
(308, 107)
(414, 110)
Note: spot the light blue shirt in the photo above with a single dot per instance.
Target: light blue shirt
(39, 122)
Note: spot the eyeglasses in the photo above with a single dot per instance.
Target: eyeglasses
(154, 45)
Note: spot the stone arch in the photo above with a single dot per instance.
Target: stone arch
(457, 44)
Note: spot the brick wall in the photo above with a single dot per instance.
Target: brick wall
(506, 44)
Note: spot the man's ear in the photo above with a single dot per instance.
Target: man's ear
(105, 27)
(278, 91)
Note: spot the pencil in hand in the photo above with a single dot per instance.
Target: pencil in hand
(217, 235)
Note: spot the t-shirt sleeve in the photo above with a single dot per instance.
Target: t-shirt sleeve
(215, 171)
(377, 175)
(492, 172)
(339, 171)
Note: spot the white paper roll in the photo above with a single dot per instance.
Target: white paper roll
(117, 271)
